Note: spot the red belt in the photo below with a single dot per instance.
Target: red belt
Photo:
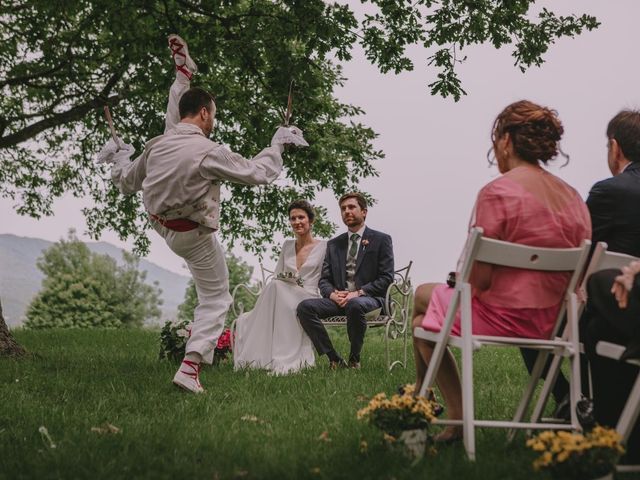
(177, 224)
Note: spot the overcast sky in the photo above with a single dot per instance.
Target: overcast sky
(436, 149)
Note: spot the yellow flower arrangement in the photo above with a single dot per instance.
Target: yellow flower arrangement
(575, 455)
(400, 412)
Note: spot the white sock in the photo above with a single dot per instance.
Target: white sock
(193, 357)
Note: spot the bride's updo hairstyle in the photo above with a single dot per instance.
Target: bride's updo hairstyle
(303, 205)
(535, 131)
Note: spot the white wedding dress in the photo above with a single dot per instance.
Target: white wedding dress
(270, 336)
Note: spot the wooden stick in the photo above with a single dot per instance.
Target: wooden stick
(289, 105)
(114, 134)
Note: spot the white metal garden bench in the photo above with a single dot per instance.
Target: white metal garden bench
(395, 317)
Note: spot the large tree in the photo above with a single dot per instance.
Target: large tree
(8, 346)
(61, 61)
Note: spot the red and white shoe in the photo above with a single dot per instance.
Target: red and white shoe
(181, 58)
(188, 377)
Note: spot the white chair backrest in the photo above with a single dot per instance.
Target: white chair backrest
(498, 252)
(604, 260)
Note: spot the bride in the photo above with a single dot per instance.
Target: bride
(270, 336)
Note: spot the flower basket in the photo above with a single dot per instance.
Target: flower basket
(173, 341)
(566, 455)
(404, 419)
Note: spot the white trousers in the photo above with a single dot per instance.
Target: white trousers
(205, 258)
(180, 85)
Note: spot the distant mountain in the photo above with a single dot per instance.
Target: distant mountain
(20, 278)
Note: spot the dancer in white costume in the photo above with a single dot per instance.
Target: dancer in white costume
(270, 336)
(179, 174)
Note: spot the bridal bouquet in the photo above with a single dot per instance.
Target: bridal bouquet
(403, 417)
(290, 277)
(577, 456)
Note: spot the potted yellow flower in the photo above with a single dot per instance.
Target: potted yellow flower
(567, 455)
(404, 418)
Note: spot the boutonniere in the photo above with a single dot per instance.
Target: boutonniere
(364, 243)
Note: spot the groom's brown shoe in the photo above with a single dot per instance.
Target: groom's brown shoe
(354, 364)
(336, 364)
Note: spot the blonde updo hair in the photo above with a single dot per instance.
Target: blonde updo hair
(535, 131)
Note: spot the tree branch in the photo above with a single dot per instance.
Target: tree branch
(70, 115)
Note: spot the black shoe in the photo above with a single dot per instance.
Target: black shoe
(563, 409)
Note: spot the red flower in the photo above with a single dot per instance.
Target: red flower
(224, 341)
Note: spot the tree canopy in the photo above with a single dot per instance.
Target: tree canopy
(85, 289)
(61, 61)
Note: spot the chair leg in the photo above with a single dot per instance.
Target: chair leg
(536, 373)
(468, 417)
(575, 389)
(405, 333)
(547, 387)
(387, 355)
(630, 413)
(441, 345)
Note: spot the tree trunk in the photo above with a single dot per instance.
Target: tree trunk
(8, 346)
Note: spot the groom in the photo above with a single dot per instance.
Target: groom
(357, 270)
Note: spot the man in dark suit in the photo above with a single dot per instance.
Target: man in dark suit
(613, 315)
(357, 270)
(613, 203)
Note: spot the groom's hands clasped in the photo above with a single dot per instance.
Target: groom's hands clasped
(342, 297)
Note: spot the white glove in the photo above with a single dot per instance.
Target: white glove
(289, 136)
(111, 153)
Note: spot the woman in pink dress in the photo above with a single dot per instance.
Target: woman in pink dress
(526, 205)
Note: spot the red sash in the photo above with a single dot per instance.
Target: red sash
(177, 224)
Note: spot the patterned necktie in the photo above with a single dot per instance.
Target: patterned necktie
(353, 249)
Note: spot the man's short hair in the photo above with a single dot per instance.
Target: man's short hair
(624, 128)
(192, 102)
(358, 196)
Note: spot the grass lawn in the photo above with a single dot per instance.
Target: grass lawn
(77, 380)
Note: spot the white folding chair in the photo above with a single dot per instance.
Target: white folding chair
(507, 254)
(631, 410)
(600, 260)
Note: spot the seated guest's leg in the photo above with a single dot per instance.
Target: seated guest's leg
(612, 380)
(420, 304)
(447, 378)
(448, 381)
(560, 388)
(355, 310)
(310, 312)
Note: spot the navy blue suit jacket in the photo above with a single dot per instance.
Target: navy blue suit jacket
(614, 205)
(374, 264)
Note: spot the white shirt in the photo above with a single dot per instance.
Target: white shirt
(179, 174)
